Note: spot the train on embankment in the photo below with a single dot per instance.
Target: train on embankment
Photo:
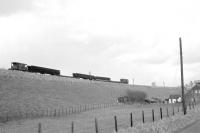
(34, 69)
(43, 70)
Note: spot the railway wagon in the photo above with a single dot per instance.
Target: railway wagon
(43, 70)
(83, 76)
(18, 66)
(101, 78)
(125, 81)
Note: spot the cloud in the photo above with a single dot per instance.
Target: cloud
(155, 54)
(190, 51)
(8, 7)
(110, 38)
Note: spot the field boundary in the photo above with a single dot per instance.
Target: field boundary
(56, 113)
(175, 110)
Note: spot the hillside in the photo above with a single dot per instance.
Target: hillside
(23, 91)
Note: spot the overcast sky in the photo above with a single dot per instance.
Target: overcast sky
(115, 38)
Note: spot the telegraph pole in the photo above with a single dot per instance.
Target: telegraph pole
(182, 79)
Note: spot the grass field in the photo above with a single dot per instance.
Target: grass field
(29, 92)
(25, 92)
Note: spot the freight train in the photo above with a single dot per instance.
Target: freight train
(37, 69)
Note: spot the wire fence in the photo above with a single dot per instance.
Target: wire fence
(97, 125)
(55, 113)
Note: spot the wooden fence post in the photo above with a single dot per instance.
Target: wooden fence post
(20, 115)
(143, 116)
(55, 113)
(47, 113)
(39, 128)
(39, 114)
(62, 112)
(66, 112)
(80, 109)
(161, 113)
(116, 128)
(153, 115)
(72, 110)
(190, 106)
(32, 114)
(167, 112)
(186, 107)
(7, 119)
(173, 110)
(42, 113)
(193, 105)
(178, 108)
(131, 119)
(72, 127)
(96, 126)
(26, 115)
(58, 112)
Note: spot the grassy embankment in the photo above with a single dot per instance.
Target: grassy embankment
(29, 92)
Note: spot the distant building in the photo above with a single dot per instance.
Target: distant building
(197, 81)
(193, 93)
(196, 88)
(175, 98)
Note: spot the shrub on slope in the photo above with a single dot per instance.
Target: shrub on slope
(136, 95)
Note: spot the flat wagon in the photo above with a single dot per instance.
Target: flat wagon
(43, 70)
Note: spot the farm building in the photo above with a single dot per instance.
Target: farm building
(166, 100)
(196, 89)
(174, 98)
(194, 93)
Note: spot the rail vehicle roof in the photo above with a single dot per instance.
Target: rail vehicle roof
(18, 63)
(39, 67)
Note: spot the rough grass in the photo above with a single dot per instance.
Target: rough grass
(167, 125)
(28, 92)
(84, 122)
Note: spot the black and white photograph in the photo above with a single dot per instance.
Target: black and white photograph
(99, 66)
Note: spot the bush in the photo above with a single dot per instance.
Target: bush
(136, 95)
